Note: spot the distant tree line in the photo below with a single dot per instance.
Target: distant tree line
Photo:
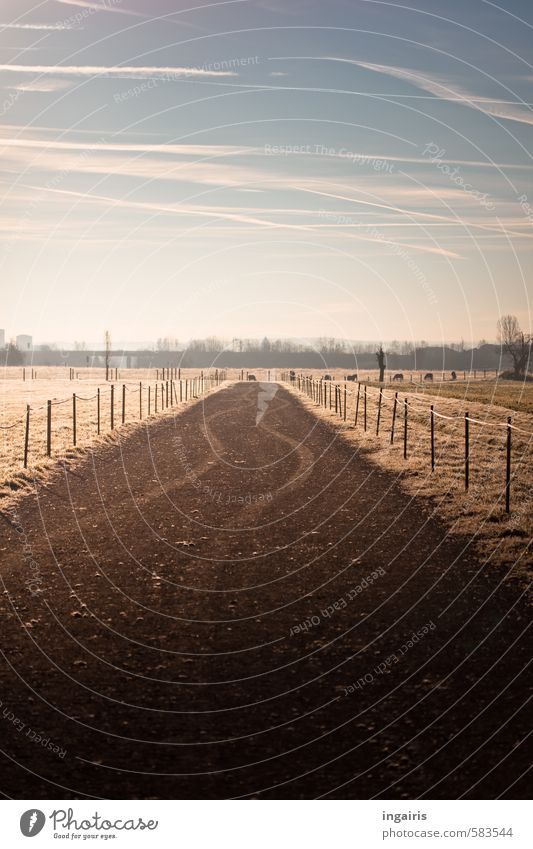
(516, 345)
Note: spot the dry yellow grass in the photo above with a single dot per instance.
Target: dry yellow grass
(513, 395)
(478, 512)
(16, 395)
(508, 394)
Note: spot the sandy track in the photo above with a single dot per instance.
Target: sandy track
(164, 653)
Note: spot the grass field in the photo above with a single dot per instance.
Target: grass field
(480, 511)
(142, 394)
(493, 391)
(508, 394)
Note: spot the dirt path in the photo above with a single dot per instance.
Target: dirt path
(225, 610)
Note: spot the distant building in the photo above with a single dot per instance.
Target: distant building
(24, 343)
(2, 338)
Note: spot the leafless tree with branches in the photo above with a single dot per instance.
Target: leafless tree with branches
(516, 343)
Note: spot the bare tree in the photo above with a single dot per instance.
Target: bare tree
(13, 356)
(380, 356)
(107, 339)
(515, 342)
(167, 343)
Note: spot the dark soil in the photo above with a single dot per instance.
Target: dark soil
(164, 653)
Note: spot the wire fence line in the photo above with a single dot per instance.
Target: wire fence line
(94, 373)
(416, 375)
(404, 413)
(44, 434)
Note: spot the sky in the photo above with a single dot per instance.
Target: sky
(291, 168)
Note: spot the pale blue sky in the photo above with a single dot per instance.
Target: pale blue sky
(353, 168)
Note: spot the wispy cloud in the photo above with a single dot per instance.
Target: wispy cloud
(117, 146)
(37, 136)
(187, 210)
(100, 7)
(410, 213)
(44, 85)
(39, 27)
(123, 71)
(449, 90)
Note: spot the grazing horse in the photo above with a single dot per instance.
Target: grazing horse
(252, 377)
(351, 377)
(327, 377)
(398, 376)
(454, 375)
(428, 376)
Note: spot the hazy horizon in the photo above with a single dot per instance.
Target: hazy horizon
(128, 344)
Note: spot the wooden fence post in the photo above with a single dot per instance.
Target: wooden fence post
(364, 408)
(393, 418)
(345, 402)
(149, 400)
(156, 396)
(467, 451)
(74, 422)
(112, 406)
(508, 469)
(432, 418)
(27, 436)
(49, 429)
(98, 411)
(405, 429)
(123, 403)
(357, 404)
(140, 400)
(379, 409)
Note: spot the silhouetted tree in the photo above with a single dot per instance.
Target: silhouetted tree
(380, 356)
(515, 342)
